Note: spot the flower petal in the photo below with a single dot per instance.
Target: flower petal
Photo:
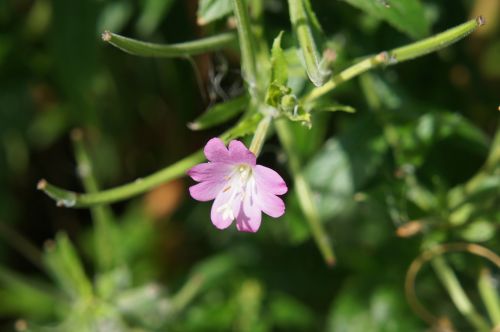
(240, 154)
(214, 172)
(271, 204)
(219, 218)
(205, 191)
(250, 216)
(269, 180)
(216, 151)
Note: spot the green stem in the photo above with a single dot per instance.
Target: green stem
(260, 135)
(304, 192)
(68, 198)
(457, 294)
(141, 48)
(72, 199)
(182, 298)
(397, 55)
(247, 45)
(105, 244)
(490, 296)
(300, 22)
(346, 75)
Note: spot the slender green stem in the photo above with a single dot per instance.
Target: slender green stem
(260, 135)
(68, 198)
(140, 48)
(489, 295)
(247, 45)
(346, 75)
(300, 22)
(304, 192)
(105, 244)
(457, 294)
(397, 55)
(192, 287)
(72, 199)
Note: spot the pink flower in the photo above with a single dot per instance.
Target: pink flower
(241, 188)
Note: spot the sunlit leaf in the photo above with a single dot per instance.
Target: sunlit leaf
(220, 113)
(407, 16)
(211, 10)
(344, 165)
(63, 262)
(279, 67)
(153, 13)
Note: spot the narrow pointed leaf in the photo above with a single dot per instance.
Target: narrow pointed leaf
(279, 67)
(316, 69)
(211, 10)
(140, 48)
(152, 14)
(64, 264)
(408, 16)
(220, 113)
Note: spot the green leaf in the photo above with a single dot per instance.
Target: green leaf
(287, 313)
(146, 304)
(115, 15)
(317, 67)
(382, 310)
(408, 16)
(152, 14)
(279, 66)
(211, 10)
(220, 113)
(140, 48)
(26, 297)
(479, 231)
(64, 264)
(331, 107)
(344, 165)
(244, 127)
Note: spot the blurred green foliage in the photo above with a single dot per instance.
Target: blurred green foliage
(422, 150)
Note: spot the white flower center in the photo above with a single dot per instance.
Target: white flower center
(235, 189)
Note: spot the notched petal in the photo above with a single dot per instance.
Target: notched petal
(239, 153)
(216, 151)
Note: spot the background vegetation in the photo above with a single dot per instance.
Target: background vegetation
(415, 166)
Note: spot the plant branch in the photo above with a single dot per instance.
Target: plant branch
(140, 48)
(398, 55)
(78, 200)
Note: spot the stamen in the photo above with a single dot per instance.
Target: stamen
(226, 189)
